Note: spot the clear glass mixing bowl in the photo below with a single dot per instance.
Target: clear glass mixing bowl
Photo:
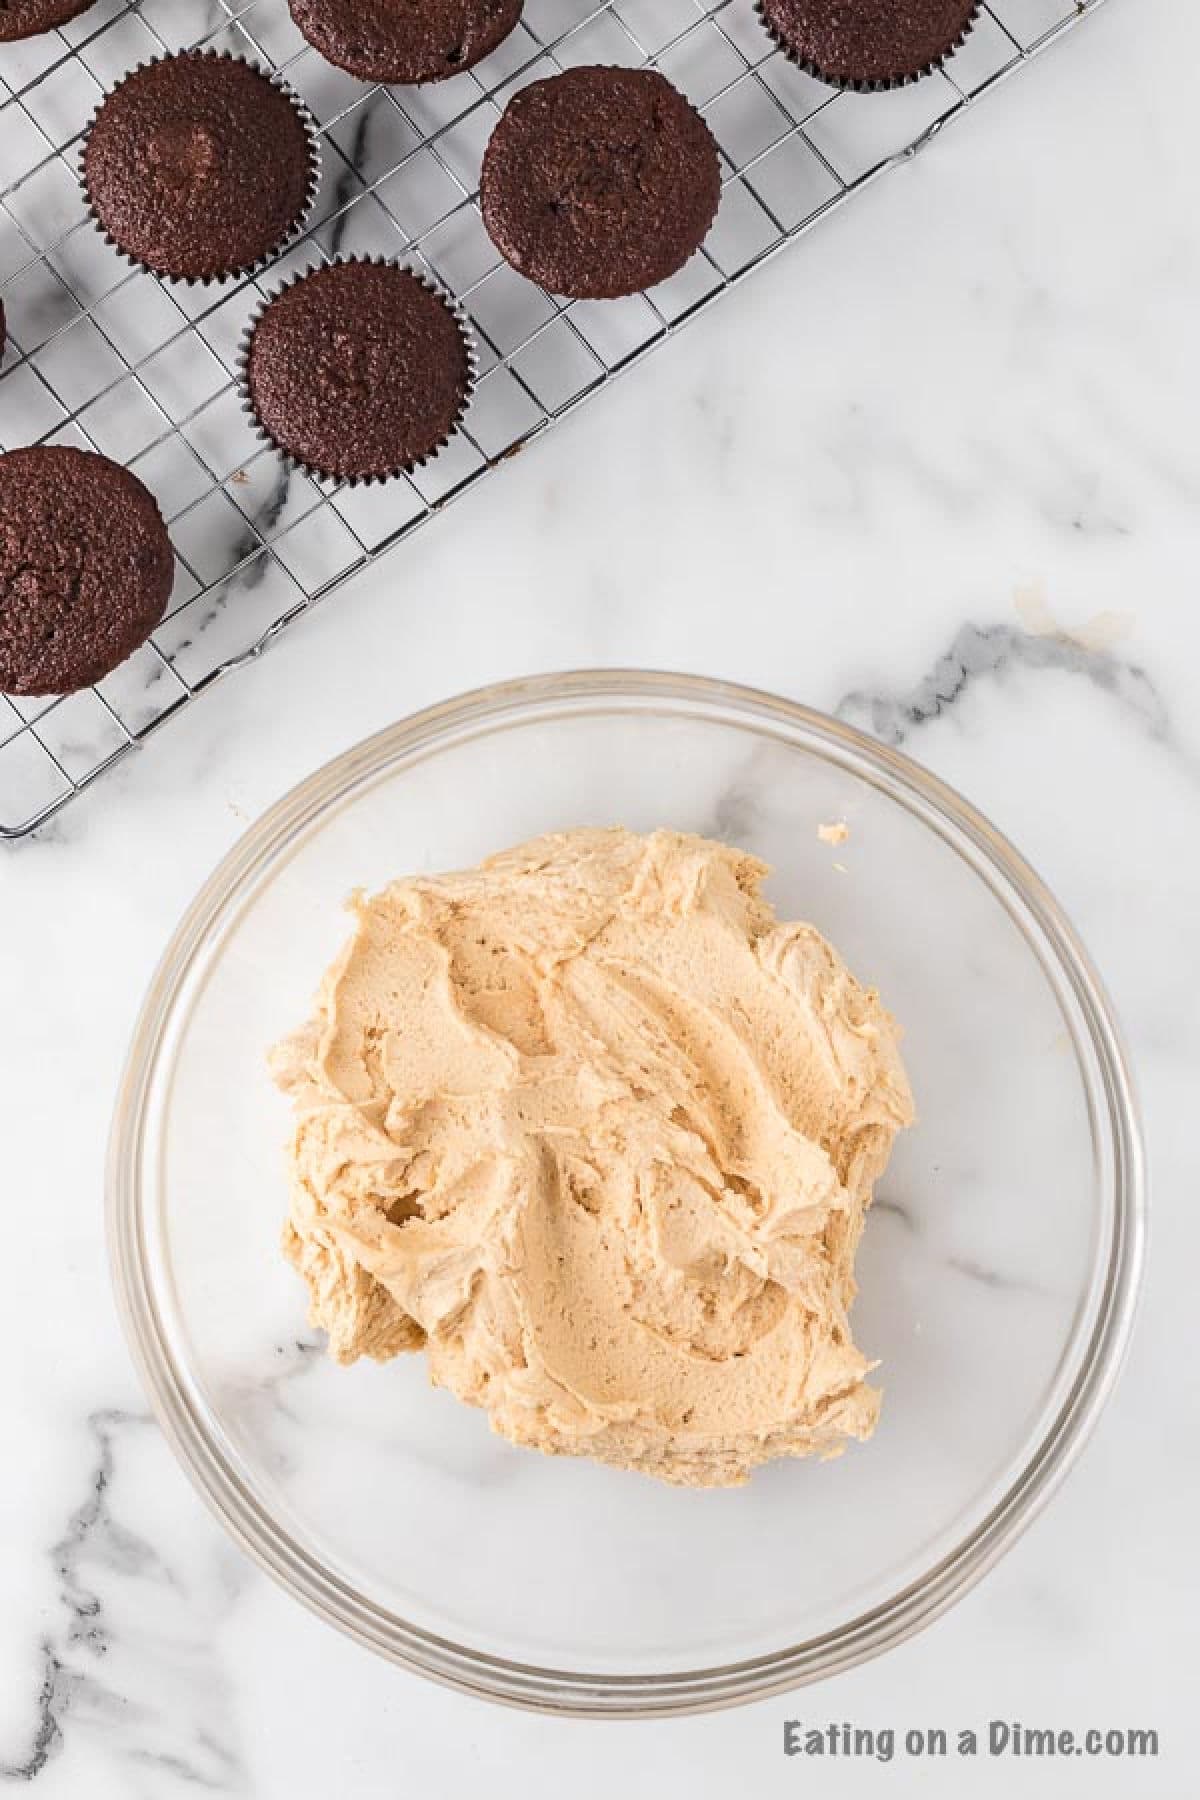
(997, 1275)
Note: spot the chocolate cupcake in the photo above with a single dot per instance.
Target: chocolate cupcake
(357, 370)
(200, 166)
(86, 568)
(380, 41)
(867, 44)
(599, 182)
(26, 18)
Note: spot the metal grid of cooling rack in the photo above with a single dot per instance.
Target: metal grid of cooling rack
(113, 359)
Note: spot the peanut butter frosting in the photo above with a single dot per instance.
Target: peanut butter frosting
(598, 1133)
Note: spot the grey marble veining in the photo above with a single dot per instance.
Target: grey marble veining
(101, 1677)
(835, 488)
(994, 653)
(399, 174)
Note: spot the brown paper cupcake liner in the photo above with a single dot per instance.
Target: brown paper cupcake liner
(808, 67)
(298, 463)
(312, 132)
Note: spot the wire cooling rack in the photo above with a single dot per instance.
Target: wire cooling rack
(113, 359)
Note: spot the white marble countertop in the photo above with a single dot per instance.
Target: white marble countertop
(936, 470)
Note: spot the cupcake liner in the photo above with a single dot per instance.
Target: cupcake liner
(808, 67)
(312, 133)
(326, 475)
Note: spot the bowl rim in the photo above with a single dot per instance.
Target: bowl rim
(573, 1692)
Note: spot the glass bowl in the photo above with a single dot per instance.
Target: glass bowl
(998, 1272)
